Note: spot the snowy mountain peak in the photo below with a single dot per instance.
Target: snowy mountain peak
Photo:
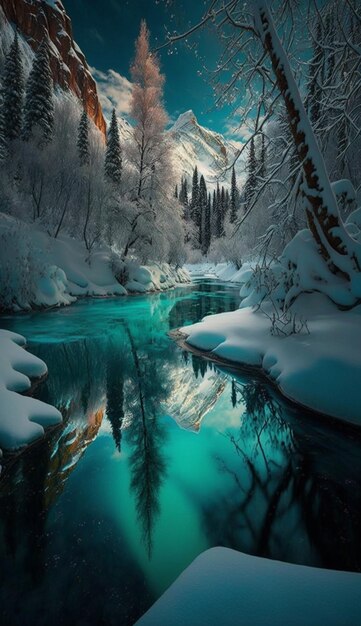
(196, 145)
(184, 119)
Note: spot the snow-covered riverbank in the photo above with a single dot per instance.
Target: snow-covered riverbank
(226, 272)
(226, 587)
(22, 418)
(40, 271)
(319, 369)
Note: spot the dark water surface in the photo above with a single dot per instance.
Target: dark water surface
(160, 457)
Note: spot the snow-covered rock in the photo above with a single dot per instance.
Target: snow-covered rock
(22, 418)
(228, 588)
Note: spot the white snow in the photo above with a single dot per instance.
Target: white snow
(320, 370)
(22, 418)
(210, 151)
(226, 272)
(39, 271)
(223, 587)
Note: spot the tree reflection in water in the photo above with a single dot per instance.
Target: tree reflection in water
(146, 438)
(290, 491)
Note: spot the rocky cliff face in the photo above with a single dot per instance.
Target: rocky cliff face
(33, 19)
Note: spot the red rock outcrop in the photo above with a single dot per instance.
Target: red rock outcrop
(70, 70)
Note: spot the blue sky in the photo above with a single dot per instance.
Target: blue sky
(106, 30)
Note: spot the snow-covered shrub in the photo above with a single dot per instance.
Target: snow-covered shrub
(21, 265)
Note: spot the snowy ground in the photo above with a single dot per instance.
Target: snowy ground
(320, 370)
(226, 272)
(228, 588)
(22, 418)
(40, 271)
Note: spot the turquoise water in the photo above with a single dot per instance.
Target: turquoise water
(160, 457)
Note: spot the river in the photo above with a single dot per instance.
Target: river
(161, 456)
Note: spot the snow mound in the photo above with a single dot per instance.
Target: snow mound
(225, 587)
(320, 369)
(22, 418)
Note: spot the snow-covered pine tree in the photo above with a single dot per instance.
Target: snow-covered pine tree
(83, 139)
(234, 199)
(194, 206)
(176, 192)
(39, 105)
(12, 95)
(217, 208)
(221, 212)
(207, 226)
(113, 155)
(201, 215)
(251, 181)
(226, 203)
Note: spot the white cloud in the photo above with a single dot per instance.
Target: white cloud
(115, 91)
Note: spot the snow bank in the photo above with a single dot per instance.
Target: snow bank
(22, 418)
(39, 271)
(320, 370)
(225, 587)
(226, 272)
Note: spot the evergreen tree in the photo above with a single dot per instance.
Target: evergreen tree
(226, 203)
(39, 105)
(176, 192)
(12, 95)
(201, 215)
(251, 181)
(113, 155)
(234, 199)
(214, 215)
(218, 213)
(221, 212)
(207, 226)
(83, 139)
(195, 196)
(183, 193)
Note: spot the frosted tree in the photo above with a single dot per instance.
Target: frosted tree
(113, 155)
(194, 206)
(234, 198)
(202, 209)
(151, 147)
(83, 139)
(254, 38)
(39, 104)
(183, 197)
(207, 226)
(12, 94)
(251, 181)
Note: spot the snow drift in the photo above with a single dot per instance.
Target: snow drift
(226, 587)
(22, 418)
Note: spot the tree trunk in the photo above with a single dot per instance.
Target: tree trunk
(337, 247)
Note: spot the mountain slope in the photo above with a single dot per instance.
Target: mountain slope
(36, 18)
(196, 145)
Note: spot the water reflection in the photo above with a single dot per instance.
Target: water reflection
(293, 486)
(97, 520)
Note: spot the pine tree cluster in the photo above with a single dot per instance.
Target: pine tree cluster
(208, 212)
